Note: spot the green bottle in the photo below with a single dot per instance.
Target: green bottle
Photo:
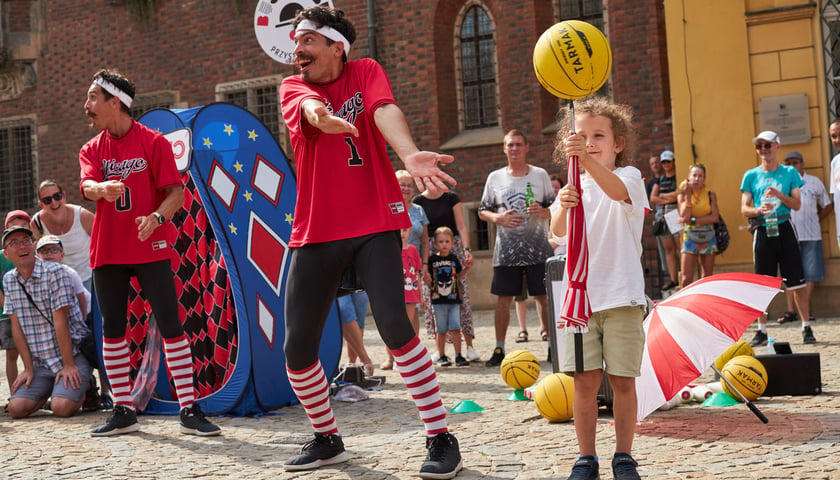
(529, 195)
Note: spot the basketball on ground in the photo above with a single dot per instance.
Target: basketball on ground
(747, 374)
(572, 59)
(553, 397)
(520, 369)
(738, 348)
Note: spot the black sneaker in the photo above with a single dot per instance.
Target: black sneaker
(461, 361)
(759, 340)
(443, 361)
(106, 402)
(624, 467)
(323, 450)
(122, 420)
(586, 468)
(496, 358)
(443, 459)
(808, 335)
(193, 422)
(669, 286)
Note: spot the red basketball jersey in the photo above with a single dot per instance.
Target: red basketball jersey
(346, 184)
(142, 159)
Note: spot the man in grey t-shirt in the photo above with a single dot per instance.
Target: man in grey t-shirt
(516, 198)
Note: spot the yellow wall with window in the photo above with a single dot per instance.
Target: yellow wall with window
(724, 56)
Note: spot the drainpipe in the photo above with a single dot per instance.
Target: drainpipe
(371, 20)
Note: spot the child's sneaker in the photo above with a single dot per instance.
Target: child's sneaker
(624, 467)
(461, 361)
(585, 468)
(443, 361)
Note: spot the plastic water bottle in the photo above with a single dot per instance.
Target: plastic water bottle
(771, 345)
(772, 224)
(529, 195)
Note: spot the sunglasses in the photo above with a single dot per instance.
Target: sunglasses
(763, 146)
(57, 196)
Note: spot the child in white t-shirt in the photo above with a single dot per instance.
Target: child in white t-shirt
(614, 201)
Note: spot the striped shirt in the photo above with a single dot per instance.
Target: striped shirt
(51, 289)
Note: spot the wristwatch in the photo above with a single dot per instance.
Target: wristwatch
(692, 220)
(160, 218)
(468, 249)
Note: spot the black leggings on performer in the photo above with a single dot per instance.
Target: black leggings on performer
(314, 276)
(157, 281)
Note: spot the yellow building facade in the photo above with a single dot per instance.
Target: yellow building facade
(738, 67)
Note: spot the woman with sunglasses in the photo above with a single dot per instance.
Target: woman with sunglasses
(71, 223)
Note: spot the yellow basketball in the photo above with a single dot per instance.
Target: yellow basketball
(520, 369)
(738, 348)
(747, 374)
(572, 59)
(553, 397)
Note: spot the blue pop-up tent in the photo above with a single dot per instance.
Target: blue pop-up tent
(232, 262)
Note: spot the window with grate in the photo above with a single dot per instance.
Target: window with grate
(260, 97)
(17, 165)
(830, 15)
(590, 11)
(478, 70)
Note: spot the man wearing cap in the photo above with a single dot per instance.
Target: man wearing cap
(129, 170)
(816, 205)
(7, 341)
(663, 196)
(47, 326)
(340, 114)
(769, 192)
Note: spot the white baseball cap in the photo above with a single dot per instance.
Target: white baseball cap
(666, 156)
(768, 136)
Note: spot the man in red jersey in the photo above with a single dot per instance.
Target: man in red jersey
(349, 212)
(129, 171)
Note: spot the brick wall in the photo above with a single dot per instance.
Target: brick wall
(192, 45)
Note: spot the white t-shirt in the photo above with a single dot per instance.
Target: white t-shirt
(806, 220)
(614, 237)
(78, 287)
(834, 188)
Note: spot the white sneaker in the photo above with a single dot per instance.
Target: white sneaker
(472, 355)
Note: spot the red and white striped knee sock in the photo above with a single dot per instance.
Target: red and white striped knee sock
(179, 361)
(117, 366)
(418, 373)
(312, 389)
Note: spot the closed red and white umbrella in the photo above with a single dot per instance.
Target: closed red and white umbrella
(576, 309)
(685, 333)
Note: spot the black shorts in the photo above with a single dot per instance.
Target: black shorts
(507, 281)
(779, 255)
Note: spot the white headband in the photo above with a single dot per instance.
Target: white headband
(114, 90)
(326, 31)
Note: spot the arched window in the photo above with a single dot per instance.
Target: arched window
(478, 70)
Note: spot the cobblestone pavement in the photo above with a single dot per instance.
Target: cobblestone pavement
(384, 438)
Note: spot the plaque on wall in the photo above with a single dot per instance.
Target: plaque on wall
(786, 115)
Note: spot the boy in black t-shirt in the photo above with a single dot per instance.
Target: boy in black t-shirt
(446, 271)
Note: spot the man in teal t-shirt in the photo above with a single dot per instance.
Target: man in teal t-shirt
(767, 191)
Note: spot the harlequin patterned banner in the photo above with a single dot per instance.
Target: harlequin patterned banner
(232, 261)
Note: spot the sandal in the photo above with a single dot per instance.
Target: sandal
(787, 317)
(544, 335)
(522, 337)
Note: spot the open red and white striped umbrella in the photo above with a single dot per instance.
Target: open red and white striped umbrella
(685, 333)
(576, 309)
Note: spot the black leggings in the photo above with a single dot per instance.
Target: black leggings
(112, 282)
(314, 276)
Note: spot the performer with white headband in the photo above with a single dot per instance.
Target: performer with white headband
(129, 170)
(340, 114)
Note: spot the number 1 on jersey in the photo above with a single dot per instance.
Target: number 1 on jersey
(355, 160)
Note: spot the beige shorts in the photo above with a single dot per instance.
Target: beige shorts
(615, 338)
